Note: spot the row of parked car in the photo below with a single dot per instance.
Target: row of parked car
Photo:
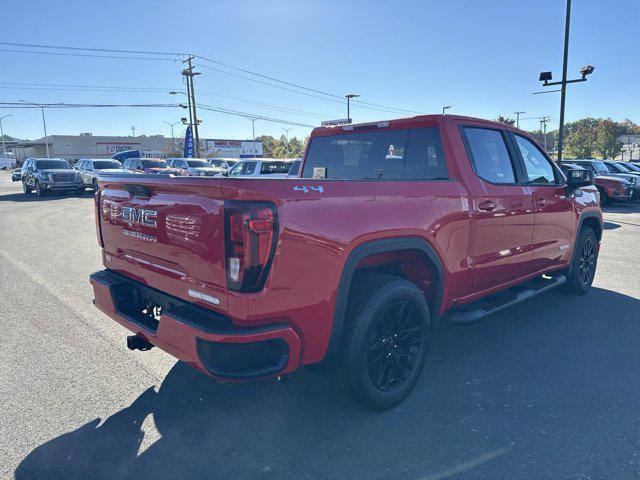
(42, 175)
(616, 181)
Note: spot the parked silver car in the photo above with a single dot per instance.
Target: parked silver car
(195, 167)
(224, 164)
(91, 168)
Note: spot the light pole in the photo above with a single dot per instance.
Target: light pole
(546, 77)
(44, 122)
(173, 138)
(349, 97)
(189, 74)
(253, 128)
(518, 118)
(4, 149)
(447, 107)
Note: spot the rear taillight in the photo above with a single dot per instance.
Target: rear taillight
(251, 233)
(98, 215)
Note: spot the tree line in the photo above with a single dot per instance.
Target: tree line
(588, 137)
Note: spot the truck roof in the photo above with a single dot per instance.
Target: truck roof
(434, 120)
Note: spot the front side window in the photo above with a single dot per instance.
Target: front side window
(196, 163)
(537, 168)
(489, 155)
(105, 164)
(414, 154)
(248, 168)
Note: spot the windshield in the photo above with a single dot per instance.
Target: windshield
(632, 167)
(154, 163)
(600, 167)
(52, 165)
(197, 163)
(106, 164)
(619, 168)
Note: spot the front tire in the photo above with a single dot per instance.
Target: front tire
(25, 188)
(584, 262)
(604, 198)
(94, 185)
(385, 341)
(40, 192)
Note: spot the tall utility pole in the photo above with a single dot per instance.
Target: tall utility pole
(543, 130)
(173, 138)
(44, 121)
(193, 117)
(4, 149)
(563, 87)
(518, 118)
(546, 77)
(349, 97)
(253, 127)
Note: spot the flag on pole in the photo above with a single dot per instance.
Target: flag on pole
(188, 143)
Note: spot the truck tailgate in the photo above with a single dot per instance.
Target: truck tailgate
(166, 233)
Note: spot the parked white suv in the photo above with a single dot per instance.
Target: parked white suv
(261, 167)
(90, 168)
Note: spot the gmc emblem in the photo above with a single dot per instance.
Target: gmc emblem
(139, 216)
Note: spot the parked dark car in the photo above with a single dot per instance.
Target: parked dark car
(49, 174)
(16, 175)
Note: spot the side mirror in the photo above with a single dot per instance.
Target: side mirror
(578, 178)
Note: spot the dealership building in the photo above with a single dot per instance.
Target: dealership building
(86, 145)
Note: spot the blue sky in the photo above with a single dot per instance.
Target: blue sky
(481, 57)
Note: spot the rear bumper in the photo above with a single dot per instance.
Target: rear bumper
(199, 337)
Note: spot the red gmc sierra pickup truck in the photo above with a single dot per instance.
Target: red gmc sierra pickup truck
(387, 226)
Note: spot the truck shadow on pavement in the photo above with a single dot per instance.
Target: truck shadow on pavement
(534, 391)
(21, 197)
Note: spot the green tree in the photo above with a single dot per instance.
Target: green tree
(580, 137)
(607, 141)
(507, 120)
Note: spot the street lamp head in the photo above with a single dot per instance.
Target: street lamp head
(586, 70)
(183, 120)
(352, 95)
(545, 76)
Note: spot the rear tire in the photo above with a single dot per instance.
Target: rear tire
(384, 345)
(80, 191)
(583, 263)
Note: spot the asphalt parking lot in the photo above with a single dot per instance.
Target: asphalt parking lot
(549, 389)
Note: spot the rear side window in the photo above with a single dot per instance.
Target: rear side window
(414, 154)
(489, 155)
(538, 168)
(274, 167)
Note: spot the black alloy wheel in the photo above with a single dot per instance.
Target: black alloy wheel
(394, 346)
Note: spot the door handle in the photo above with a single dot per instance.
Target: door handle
(487, 206)
(540, 202)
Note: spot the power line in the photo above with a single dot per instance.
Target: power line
(327, 96)
(117, 57)
(62, 47)
(253, 116)
(90, 105)
(100, 88)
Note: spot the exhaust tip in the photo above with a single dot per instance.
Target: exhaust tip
(134, 342)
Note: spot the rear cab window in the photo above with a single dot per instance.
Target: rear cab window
(410, 154)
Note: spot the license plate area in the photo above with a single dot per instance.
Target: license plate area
(142, 305)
